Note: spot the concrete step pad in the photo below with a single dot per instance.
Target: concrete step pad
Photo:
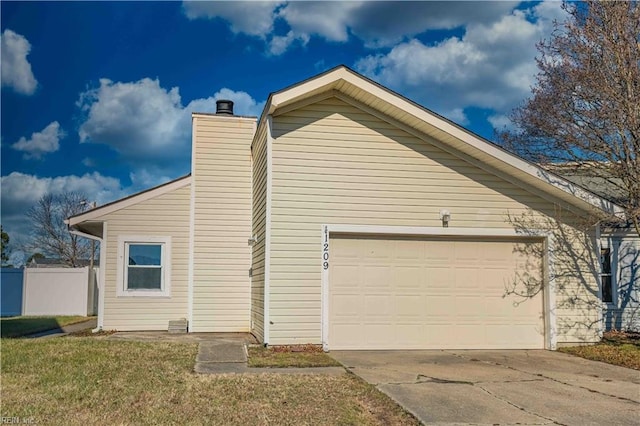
(212, 352)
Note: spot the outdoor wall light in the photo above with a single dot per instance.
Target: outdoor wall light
(445, 216)
(253, 240)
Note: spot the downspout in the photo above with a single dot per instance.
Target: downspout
(100, 240)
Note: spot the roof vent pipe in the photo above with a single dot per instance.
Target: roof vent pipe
(224, 107)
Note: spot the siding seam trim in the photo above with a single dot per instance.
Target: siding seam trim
(192, 219)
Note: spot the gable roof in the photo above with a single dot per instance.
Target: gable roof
(343, 83)
(97, 212)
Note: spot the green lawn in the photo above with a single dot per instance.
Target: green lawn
(93, 380)
(287, 356)
(22, 326)
(616, 348)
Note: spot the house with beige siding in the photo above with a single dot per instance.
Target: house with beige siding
(347, 215)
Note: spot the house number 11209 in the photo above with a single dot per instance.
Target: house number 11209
(325, 250)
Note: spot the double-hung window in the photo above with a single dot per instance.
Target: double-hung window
(144, 266)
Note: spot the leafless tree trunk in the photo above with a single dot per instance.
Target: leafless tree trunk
(50, 234)
(585, 108)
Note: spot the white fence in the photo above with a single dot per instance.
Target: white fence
(49, 291)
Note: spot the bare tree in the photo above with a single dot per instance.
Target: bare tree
(5, 250)
(585, 108)
(50, 234)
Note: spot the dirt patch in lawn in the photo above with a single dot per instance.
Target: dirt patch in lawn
(83, 380)
(290, 356)
(617, 348)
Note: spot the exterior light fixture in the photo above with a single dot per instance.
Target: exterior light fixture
(445, 216)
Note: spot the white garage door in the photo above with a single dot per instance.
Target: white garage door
(410, 293)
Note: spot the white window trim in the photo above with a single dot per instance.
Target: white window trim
(123, 240)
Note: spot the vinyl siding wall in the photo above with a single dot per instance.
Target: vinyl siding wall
(259, 156)
(221, 174)
(335, 164)
(164, 215)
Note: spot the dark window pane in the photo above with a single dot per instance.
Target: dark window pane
(145, 254)
(144, 278)
(607, 293)
(605, 260)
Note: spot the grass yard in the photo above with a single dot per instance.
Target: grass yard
(22, 326)
(290, 356)
(616, 348)
(92, 380)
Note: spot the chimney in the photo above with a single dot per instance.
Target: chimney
(224, 107)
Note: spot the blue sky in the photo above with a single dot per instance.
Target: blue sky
(97, 97)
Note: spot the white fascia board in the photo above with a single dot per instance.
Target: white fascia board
(85, 235)
(299, 91)
(131, 200)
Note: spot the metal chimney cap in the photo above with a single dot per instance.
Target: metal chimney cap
(224, 107)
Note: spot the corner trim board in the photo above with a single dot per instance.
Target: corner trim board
(102, 285)
(267, 232)
(192, 221)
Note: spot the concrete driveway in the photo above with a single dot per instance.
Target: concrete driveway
(501, 387)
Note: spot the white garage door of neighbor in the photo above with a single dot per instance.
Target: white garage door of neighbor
(417, 293)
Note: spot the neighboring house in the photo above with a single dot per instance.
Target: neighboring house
(620, 255)
(347, 215)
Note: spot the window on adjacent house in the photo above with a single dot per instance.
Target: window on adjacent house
(605, 275)
(144, 266)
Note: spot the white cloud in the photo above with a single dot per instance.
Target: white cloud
(21, 191)
(456, 115)
(249, 17)
(88, 162)
(15, 69)
(330, 20)
(492, 66)
(137, 119)
(41, 143)
(376, 23)
(500, 121)
(147, 123)
(280, 44)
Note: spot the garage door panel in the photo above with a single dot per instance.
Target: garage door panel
(466, 278)
(409, 306)
(378, 307)
(431, 293)
(439, 277)
(346, 276)
(408, 277)
(377, 277)
(439, 306)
